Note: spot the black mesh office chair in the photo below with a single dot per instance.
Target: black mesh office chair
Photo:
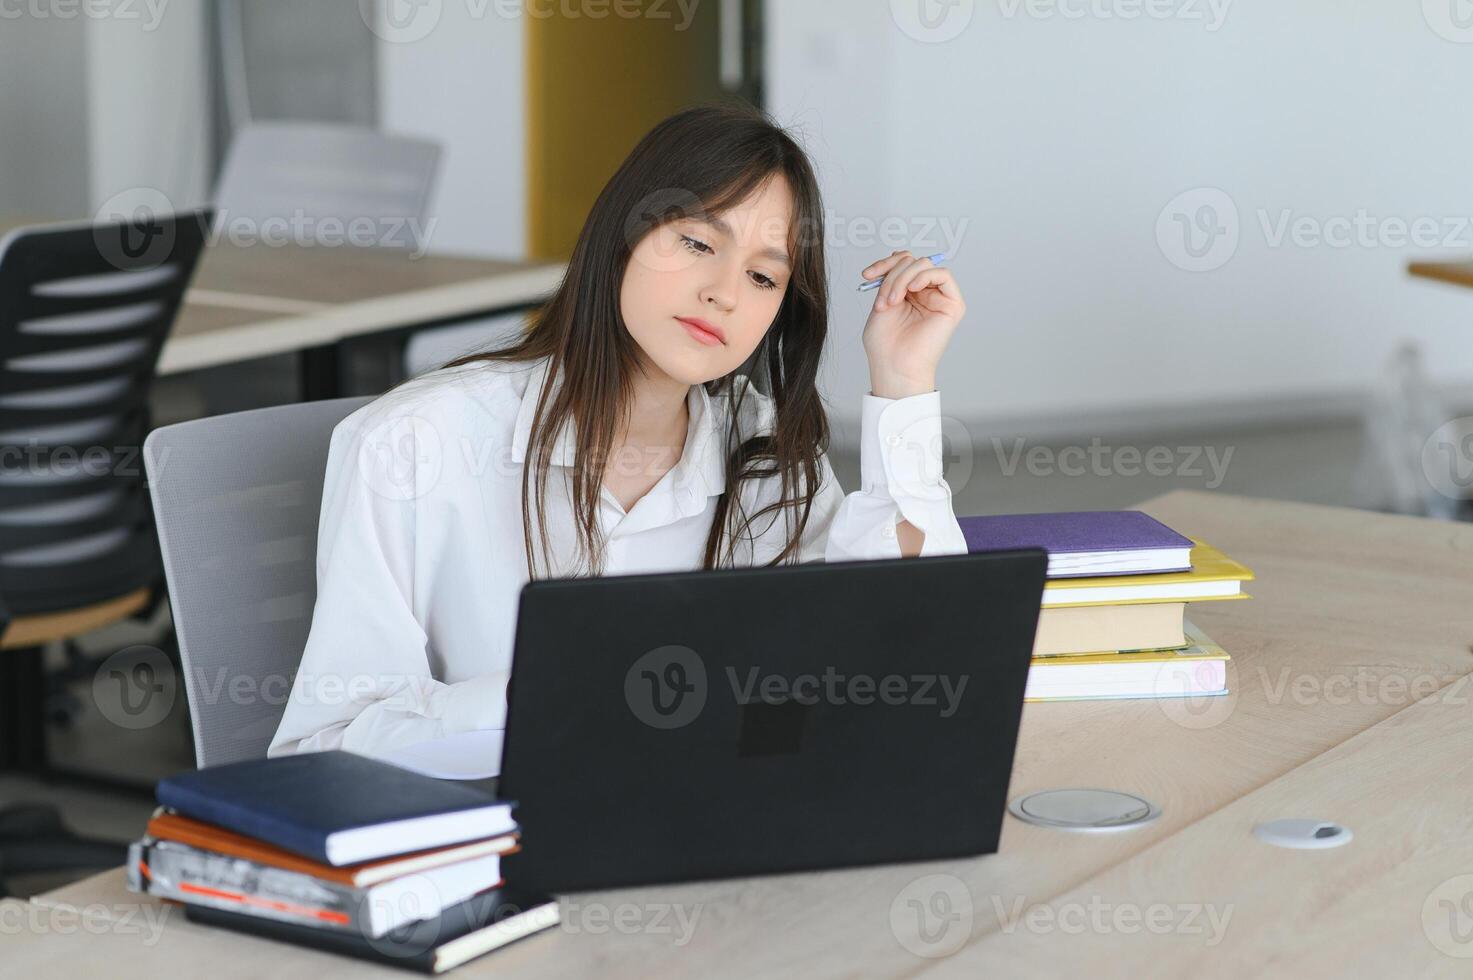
(84, 312)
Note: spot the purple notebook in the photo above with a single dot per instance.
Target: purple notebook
(1079, 543)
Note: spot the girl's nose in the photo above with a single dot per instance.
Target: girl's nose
(720, 292)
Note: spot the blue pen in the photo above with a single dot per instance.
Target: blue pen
(936, 259)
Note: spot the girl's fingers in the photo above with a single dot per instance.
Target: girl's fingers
(898, 279)
(942, 279)
(877, 269)
(929, 294)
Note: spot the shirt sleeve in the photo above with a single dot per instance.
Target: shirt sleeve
(365, 682)
(900, 455)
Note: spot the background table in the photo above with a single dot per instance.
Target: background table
(249, 301)
(255, 301)
(1344, 601)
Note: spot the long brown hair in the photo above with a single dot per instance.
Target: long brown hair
(700, 161)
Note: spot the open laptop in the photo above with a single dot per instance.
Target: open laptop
(684, 725)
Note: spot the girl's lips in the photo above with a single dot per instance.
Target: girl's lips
(700, 333)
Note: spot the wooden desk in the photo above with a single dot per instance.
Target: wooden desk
(1393, 902)
(249, 301)
(1345, 601)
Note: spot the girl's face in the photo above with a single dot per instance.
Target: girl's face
(729, 271)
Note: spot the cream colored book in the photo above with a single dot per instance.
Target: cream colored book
(1070, 630)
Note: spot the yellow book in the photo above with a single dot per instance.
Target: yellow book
(1196, 670)
(1213, 576)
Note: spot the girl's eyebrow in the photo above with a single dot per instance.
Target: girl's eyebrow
(771, 252)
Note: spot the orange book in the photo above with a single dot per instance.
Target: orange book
(166, 825)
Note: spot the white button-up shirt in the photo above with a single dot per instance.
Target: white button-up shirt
(421, 556)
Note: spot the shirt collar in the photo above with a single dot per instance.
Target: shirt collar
(701, 471)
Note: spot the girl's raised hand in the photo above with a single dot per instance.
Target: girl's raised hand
(916, 310)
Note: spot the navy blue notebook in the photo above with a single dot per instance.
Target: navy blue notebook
(1094, 542)
(336, 807)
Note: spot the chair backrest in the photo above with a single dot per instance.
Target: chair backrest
(236, 499)
(316, 172)
(84, 311)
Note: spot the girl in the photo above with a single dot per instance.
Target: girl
(661, 413)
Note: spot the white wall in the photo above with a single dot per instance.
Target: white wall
(457, 77)
(1061, 140)
(43, 85)
(147, 107)
(93, 107)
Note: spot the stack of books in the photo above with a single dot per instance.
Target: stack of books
(1114, 620)
(340, 852)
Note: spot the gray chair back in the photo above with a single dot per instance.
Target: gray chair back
(236, 500)
(319, 172)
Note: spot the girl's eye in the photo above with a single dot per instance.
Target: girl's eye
(692, 243)
(701, 248)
